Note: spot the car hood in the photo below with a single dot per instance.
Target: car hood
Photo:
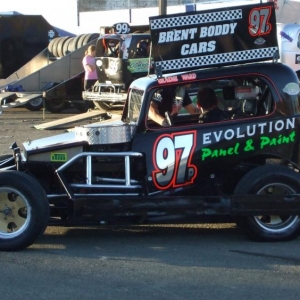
(93, 134)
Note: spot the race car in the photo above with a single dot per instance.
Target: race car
(132, 170)
(122, 55)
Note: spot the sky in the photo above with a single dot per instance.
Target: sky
(59, 13)
(63, 13)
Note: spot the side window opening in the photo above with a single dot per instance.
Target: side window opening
(237, 98)
(247, 96)
(142, 49)
(250, 98)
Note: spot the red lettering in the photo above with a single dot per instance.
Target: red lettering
(167, 79)
(188, 76)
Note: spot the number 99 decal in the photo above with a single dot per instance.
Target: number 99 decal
(121, 28)
(172, 155)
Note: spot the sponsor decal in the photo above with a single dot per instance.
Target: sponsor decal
(244, 138)
(138, 65)
(58, 157)
(248, 145)
(172, 155)
(214, 37)
(292, 88)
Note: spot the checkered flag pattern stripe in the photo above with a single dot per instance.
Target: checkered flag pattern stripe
(217, 59)
(196, 19)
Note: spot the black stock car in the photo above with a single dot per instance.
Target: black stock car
(133, 171)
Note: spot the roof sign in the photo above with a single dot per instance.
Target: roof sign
(213, 38)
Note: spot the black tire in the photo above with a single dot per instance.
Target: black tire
(75, 43)
(52, 47)
(24, 210)
(70, 43)
(35, 104)
(270, 179)
(66, 46)
(60, 46)
(90, 37)
(83, 106)
(55, 105)
(80, 42)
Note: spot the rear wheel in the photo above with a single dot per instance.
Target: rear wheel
(83, 106)
(270, 180)
(24, 210)
(55, 105)
(35, 104)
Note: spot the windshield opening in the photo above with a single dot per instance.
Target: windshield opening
(108, 47)
(134, 104)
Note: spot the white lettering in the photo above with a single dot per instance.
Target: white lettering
(162, 37)
(218, 135)
(206, 138)
(229, 134)
(262, 127)
(216, 30)
(238, 133)
(177, 35)
(248, 131)
(279, 125)
(195, 48)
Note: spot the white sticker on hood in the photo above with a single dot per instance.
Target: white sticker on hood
(292, 88)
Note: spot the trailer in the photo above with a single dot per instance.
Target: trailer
(49, 78)
(22, 37)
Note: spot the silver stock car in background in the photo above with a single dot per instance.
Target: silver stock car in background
(122, 55)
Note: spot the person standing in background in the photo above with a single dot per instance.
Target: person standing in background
(89, 65)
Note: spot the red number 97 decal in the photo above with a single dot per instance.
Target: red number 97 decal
(259, 21)
(172, 155)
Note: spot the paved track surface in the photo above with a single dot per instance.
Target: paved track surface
(143, 262)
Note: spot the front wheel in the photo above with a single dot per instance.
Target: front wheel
(24, 210)
(35, 104)
(268, 180)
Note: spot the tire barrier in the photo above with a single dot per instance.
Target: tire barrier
(62, 46)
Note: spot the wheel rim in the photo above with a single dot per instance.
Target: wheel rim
(276, 223)
(15, 213)
(36, 102)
